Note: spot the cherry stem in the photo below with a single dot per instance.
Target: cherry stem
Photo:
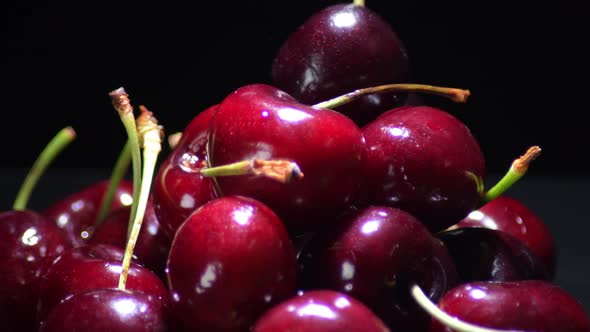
(451, 322)
(151, 136)
(59, 142)
(121, 103)
(359, 2)
(517, 170)
(173, 139)
(280, 170)
(454, 94)
(119, 171)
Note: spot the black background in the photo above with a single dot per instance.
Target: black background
(520, 59)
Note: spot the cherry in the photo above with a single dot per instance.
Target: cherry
(179, 188)
(529, 305)
(108, 310)
(425, 161)
(320, 311)
(76, 214)
(339, 49)
(510, 215)
(261, 122)
(152, 245)
(482, 254)
(28, 242)
(374, 256)
(92, 267)
(230, 260)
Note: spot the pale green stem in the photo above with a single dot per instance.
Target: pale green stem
(119, 171)
(454, 94)
(59, 142)
(517, 170)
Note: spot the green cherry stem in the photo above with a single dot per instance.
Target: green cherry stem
(517, 170)
(280, 170)
(452, 322)
(454, 94)
(151, 136)
(59, 142)
(359, 2)
(119, 171)
(121, 103)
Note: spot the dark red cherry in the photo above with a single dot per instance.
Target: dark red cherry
(92, 267)
(261, 122)
(320, 311)
(375, 256)
(77, 213)
(482, 254)
(152, 244)
(230, 261)
(108, 310)
(178, 187)
(28, 242)
(339, 49)
(514, 217)
(529, 305)
(425, 161)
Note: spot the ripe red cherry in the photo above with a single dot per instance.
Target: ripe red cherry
(510, 215)
(425, 161)
(374, 256)
(529, 305)
(77, 213)
(108, 310)
(92, 267)
(28, 242)
(339, 49)
(320, 311)
(482, 254)
(152, 245)
(230, 261)
(262, 122)
(179, 188)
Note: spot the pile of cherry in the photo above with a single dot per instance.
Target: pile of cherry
(289, 208)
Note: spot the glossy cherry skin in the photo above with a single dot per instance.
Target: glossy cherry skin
(425, 161)
(510, 215)
(152, 244)
(482, 254)
(108, 310)
(375, 256)
(320, 311)
(230, 261)
(28, 242)
(77, 213)
(529, 305)
(340, 49)
(92, 267)
(179, 188)
(260, 121)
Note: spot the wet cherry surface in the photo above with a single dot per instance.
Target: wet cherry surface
(108, 310)
(320, 311)
(510, 215)
(229, 262)
(28, 242)
(375, 256)
(339, 49)
(425, 161)
(260, 121)
(77, 213)
(518, 305)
